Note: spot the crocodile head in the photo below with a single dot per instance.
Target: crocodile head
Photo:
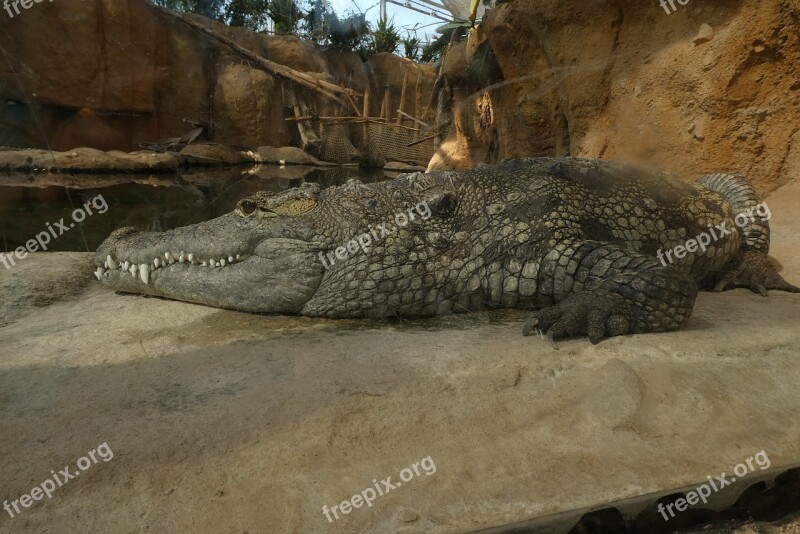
(272, 253)
(261, 257)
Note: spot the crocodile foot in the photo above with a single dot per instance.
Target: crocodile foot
(755, 271)
(597, 312)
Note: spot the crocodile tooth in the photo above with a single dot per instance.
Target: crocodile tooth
(191, 258)
(99, 272)
(110, 263)
(144, 273)
(133, 270)
(203, 264)
(126, 265)
(182, 257)
(230, 259)
(157, 263)
(222, 262)
(167, 256)
(238, 256)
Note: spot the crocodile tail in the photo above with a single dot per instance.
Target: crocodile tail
(741, 195)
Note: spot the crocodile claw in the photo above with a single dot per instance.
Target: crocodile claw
(530, 325)
(754, 271)
(596, 312)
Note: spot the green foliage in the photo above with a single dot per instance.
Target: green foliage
(251, 14)
(318, 23)
(385, 38)
(411, 47)
(325, 27)
(349, 33)
(208, 8)
(433, 50)
(315, 21)
(285, 14)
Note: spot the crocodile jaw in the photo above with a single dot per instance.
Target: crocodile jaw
(227, 263)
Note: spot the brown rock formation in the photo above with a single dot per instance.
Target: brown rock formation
(137, 75)
(625, 80)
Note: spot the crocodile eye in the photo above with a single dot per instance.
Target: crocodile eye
(247, 207)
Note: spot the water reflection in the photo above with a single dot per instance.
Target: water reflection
(154, 202)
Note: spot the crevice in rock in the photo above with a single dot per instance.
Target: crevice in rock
(764, 501)
(563, 145)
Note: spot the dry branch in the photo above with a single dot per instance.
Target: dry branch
(327, 89)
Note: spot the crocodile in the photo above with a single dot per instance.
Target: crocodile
(590, 246)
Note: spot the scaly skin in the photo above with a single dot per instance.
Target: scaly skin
(576, 238)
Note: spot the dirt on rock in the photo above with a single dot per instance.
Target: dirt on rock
(710, 87)
(222, 421)
(121, 74)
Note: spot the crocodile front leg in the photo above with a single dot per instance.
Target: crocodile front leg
(604, 290)
(753, 270)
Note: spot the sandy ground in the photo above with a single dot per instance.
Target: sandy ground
(229, 422)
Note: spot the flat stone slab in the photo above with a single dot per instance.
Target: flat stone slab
(87, 160)
(201, 155)
(223, 421)
(289, 155)
(90, 160)
(401, 166)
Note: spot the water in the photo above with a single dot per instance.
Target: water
(28, 205)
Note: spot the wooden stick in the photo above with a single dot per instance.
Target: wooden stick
(353, 103)
(311, 142)
(402, 98)
(386, 110)
(355, 120)
(418, 141)
(422, 140)
(330, 90)
(366, 103)
(393, 125)
(406, 115)
(301, 127)
(431, 105)
(366, 114)
(418, 95)
(317, 118)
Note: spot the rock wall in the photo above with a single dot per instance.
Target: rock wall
(711, 86)
(114, 73)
